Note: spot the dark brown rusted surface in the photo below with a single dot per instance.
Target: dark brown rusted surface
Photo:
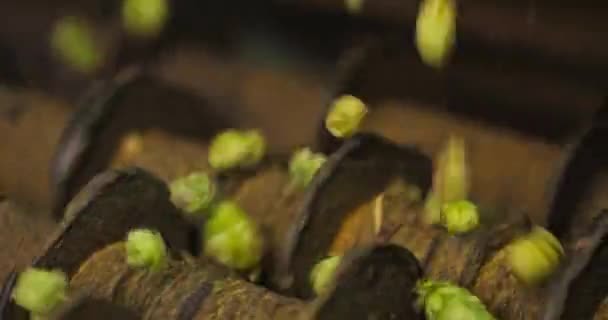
(578, 195)
(382, 283)
(104, 211)
(355, 174)
(581, 286)
(110, 205)
(80, 136)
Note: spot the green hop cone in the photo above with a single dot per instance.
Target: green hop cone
(432, 209)
(40, 291)
(451, 179)
(233, 148)
(146, 249)
(345, 116)
(446, 301)
(354, 7)
(144, 18)
(459, 216)
(535, 256)
(304, 165)
(232, 237)
(193, 193)
(323, 272)
(73, 41)
(436, 31)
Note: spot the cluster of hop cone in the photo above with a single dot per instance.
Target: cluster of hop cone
(374, 230)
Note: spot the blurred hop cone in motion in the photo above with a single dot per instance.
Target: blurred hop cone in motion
(145, 18)
(436, 31)
(73, 42)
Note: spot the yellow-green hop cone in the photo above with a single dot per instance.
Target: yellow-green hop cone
(446, 301)
(354, 7)
(451, 180)
(322, 274)
(73, 42)
(535, 256)
(40, 291)
(232, 237)
(146, 249)
(236, 149)
(459, 216)
(345, 116)
(193, 193)
(144, 18)
(432, 209)
(541, 234)
(304, 165)
(436, 31)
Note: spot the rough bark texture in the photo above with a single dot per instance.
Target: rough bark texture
(475, 260)
(183, 291)
(380, 280)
